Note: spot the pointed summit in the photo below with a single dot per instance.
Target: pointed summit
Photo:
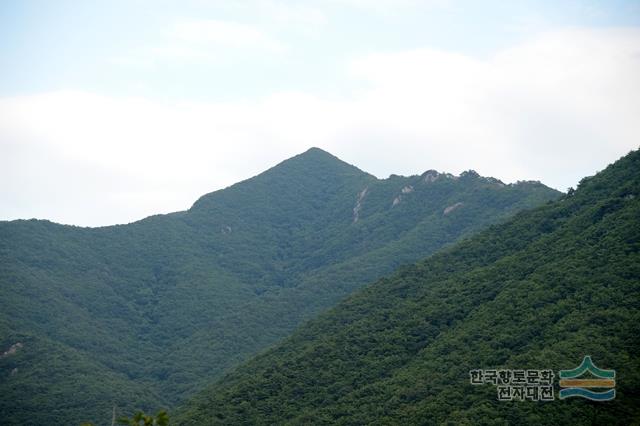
(319, 160)
(310, 178)
(314, 150)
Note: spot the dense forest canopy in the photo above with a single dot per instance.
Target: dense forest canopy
(541, 291)
(143, 315)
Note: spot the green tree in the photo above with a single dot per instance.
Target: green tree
(142, 419)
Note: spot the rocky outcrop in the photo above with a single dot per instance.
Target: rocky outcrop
(430, 176)
(452, 207)
(450, 176)
(358, 206)
(404, 191)
(12, 350)
(494, 181)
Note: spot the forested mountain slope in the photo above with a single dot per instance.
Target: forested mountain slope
(540, 291)
(143, 315)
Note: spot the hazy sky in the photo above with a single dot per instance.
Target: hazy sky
(114, 110)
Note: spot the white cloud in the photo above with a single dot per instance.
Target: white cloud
(222, 33)
(201, 41)
(556, 108)
(551, 108)
(296, 13)
(387, 7)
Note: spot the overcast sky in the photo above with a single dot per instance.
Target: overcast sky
(111, 111)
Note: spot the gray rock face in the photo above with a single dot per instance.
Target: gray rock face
(451, 208)
(358, 206)
(12, 350)
(430, 176)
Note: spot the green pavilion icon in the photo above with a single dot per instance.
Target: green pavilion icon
(572, 384)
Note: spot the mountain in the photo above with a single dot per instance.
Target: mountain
(541, 291)
(145, 314)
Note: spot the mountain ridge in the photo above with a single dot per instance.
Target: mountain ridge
(159, 307)
(540, 290)
(313, 153)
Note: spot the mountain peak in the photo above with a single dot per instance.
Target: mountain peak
(314, 150)
(308, 174)
(442, 308)
(316, 155)
(313, 163)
